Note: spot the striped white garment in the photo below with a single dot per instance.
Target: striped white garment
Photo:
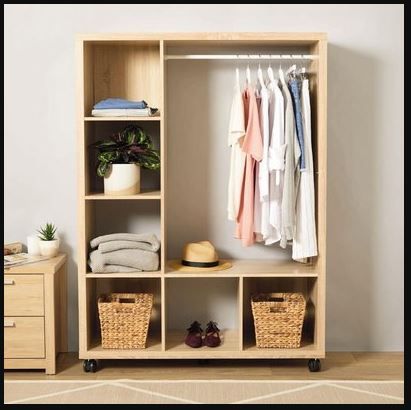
(305, 240)
(236, 132)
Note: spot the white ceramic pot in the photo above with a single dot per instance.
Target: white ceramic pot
(122, 179)
(33, 245)
(49, 248)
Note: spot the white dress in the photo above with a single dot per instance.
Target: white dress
(236, 132)
(276, 160)
(305, 240)
(261, 194)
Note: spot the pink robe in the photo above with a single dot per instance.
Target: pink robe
(253, 148)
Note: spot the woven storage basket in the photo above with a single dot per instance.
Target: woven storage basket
(124, 320)
(278, 319)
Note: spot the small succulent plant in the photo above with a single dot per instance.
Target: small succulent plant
(47, 232)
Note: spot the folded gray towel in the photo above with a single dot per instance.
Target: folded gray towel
(113, 269)
(137, 259)
(111, 246)
(116, 241)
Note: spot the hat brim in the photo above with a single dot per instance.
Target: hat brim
(222, 265)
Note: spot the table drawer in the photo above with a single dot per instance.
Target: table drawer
(24, 337)
(23, 295)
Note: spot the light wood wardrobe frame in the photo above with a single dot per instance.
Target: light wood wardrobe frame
(144, 55)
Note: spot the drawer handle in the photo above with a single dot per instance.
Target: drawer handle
(9, 323)
(9, 282)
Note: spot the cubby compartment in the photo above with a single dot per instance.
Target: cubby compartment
(103, 130)
(199, 128)
(108, 217)
(256, 285)
(101, 286)
(121, 69)
(202, 299)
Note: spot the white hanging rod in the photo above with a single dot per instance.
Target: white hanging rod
(241, 57)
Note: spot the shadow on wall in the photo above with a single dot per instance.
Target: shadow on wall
(72, 292)
(352, 187)
(188, 155)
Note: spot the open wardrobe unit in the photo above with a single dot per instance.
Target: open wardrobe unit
(189, 79)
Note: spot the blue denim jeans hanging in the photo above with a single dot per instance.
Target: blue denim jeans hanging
(295, 92)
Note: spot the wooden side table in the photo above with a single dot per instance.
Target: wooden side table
(35, 314)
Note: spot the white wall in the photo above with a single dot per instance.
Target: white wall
(365, 139)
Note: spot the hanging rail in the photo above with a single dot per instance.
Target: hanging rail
(241, 57)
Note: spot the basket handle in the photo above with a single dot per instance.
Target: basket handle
(275, 299)
(126, 300)
(281, 307)
(277, 309)
(117, 304)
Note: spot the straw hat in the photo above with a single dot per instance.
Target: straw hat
(199, 257)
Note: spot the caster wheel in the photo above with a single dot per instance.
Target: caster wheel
(90, 366)
(314, 365)
(86, 367)
(93, 365)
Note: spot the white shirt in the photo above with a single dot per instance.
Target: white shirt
(276, 160)
(305, 239)
(236, 132)
(261, 207)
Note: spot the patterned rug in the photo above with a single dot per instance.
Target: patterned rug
(126, 391)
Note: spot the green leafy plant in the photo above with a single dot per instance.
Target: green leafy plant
(132, 145)
(47, 233)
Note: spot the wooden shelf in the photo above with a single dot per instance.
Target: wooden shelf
(149, 195)
(92, 275)
(176, 348)
(252, 268)
(136, 118)
(307, 350)
(175, 345)
(153, 348)
(241, 268)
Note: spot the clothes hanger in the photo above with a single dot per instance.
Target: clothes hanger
(237, 76)
(291, 71)
(237, 72)
(303, 74)
(248, 73)
(303, 71)
(270, 73)
(296, 63)
(260, 75)
(281, 72)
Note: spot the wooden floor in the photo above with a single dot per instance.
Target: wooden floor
(336, 366)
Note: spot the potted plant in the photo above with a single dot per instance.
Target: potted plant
(49, 243)
(120, 159)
